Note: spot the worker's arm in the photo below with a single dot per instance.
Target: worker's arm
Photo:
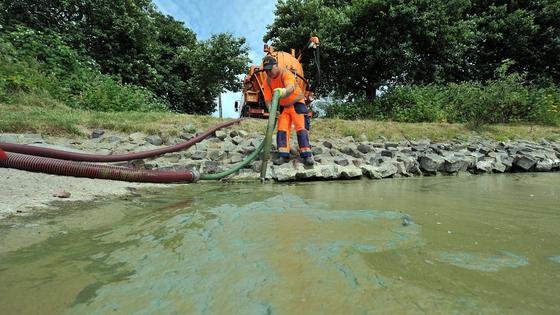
(289, 81)
(289, 89)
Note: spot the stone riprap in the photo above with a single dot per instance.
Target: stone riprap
(344, 158)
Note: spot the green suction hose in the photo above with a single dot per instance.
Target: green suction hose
(235, 168)
(269, 130)
(266, 144)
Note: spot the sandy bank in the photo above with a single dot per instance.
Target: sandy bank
(22, 191)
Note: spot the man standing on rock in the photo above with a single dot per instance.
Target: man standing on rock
(292, 110)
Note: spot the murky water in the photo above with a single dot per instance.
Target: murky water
(476, 244)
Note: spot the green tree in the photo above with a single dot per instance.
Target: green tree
(131, 40)
(368, 43)
(212, 67)
(525, 32)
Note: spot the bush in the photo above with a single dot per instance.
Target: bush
(505, 100)
(42, 64)
(414, 104)
(359, 109)
(105, 94)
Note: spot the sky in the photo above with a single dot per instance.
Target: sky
(242, 18)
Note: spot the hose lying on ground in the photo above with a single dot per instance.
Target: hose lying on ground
(90, 170)
(79, 169)
(75, 156)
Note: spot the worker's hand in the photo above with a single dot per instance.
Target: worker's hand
(282, 91)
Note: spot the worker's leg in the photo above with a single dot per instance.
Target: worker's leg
(299, 118)
(283, 134)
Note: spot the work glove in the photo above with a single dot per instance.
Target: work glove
(282, 91)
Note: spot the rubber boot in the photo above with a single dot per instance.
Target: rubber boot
(281, 160)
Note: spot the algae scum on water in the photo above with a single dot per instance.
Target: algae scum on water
(279, 249)
(278, 254)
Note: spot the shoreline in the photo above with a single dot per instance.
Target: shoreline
(23, 192)
(336, 159)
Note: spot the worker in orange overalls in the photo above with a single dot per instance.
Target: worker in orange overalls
(292, 110)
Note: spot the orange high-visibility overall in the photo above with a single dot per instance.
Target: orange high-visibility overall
(292, 110)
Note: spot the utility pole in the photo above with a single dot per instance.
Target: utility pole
(220, 105)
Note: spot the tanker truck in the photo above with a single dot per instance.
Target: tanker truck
(252, 103)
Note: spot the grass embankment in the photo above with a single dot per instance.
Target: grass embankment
(36, 115)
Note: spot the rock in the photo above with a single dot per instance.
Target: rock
(326, 172)
(431, 162)
(210, 167)
(97, 133)
(284, 172)
(341, 160)
(347, 172)
(237, 140)
(391, 145)
(410, 163)
(113, 139)
(382, 171)
(485, 165)
(371, 171)
(499, 167)
(387, 169)
(186, 135)
(455, 163)
(220, 134)
(235, 158)
(328, 144)
(61, 193)
(172, 157)
(198, 155)
(545, 165)
(317, 150)
(154, 140)
(388, 153)
(238, 133)
(256, 142)
(201, 146)
(137, 138)
(364, 148)
(215, 155)
(357, 162)
(213, 141)
(352, 150)
(507, 161)
(419, 148)
(525, 162)
(229, 147)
